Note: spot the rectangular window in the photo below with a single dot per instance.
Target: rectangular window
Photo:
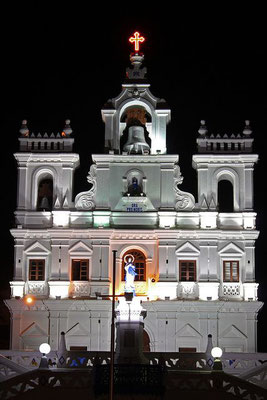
(37, 270)
(187, 270)
(80, 270)
(78, 348)
(231, 271)
(187, 349)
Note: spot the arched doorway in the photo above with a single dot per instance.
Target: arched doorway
(146, 341)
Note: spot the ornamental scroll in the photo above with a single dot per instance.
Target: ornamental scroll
(85, 200)
(184, 201)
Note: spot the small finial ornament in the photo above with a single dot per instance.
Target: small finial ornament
(136, 58)
(202, 129)
(247, 130)
(24, 131)
(67, 131)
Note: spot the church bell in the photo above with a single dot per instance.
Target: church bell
(136, 143)
(44, 204)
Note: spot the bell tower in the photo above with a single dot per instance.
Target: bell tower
(136, 121)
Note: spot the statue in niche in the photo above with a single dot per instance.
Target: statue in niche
(129, 274)
(134, 189)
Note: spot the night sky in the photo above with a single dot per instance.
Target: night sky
(68, 64)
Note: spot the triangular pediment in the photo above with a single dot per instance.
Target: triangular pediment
(33, 330)
(78, 330)
(233, 332)
(80, 248)
(188, 249)
(231, 249)
(37, 247)
(188, 331)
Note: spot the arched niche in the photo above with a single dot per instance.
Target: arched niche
(139, 262)
(134, 183)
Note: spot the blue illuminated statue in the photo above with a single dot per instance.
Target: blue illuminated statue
(130, 274)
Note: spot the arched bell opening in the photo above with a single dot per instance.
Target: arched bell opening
(45, 194)
(225, 196)
(135, 137)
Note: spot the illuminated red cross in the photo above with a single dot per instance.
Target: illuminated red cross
(136, 38)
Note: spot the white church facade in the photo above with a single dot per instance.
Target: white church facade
(195, 264)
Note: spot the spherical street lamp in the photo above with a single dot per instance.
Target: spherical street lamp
(44, 348)
(216, 352)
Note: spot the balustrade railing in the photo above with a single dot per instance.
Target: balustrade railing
(233, 363)
(79, 289)
(231, 289)
(37, 288)
(83, 383)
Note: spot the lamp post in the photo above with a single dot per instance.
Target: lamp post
(111, 380)
(44, 348)
(216, 353)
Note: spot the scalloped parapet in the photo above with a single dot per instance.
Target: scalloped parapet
(42, 143)
(226, 143)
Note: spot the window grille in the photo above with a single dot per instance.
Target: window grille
(80, 270)
(37, 270)
(187, 270)
(231, 271)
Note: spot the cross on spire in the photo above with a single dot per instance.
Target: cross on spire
(136, 38)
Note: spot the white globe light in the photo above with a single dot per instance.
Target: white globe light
(44, 348)
(216, 352)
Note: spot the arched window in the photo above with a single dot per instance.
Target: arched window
(45, 194)
(139, 262)
(225, 196)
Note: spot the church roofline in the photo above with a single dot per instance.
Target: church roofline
(152, 158)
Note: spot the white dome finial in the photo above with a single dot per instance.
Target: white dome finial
(247, 130)
(202, 129)
(67, 131)
(24, 131)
